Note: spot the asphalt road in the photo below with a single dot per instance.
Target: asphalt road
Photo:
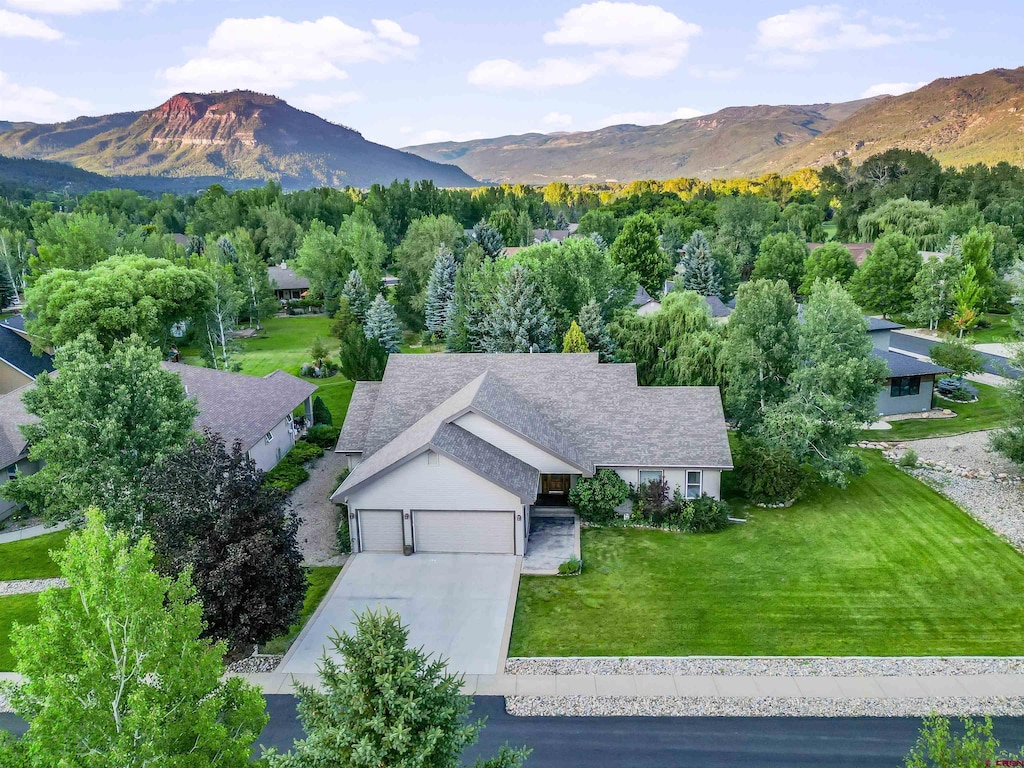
(669, 742)
(917, 345)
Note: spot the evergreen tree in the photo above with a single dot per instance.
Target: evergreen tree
(7, 294)
(489, 239)
(561, 223)
(321, 413)
(591, 322)
(361, 358)
(967, 298)
(697, 268)
(518, 321)
(602, 244)
(574, 340)
(503, 220)
(524, 229)
(382, 325)
(977, 248)
(440, 292)
(638, 249)
(354, 292)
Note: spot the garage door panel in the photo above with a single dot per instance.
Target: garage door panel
(464, 531)
(380, 530)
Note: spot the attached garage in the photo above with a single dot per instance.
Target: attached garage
(380, 530)
(464, 531)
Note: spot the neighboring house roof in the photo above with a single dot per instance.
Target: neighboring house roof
(859, 251)
(16, 350)
(240, 407)
(12, 415)
(878, 324)
(180, 239)
(905, 365)
(557, 235)
(718, 307)
(512, 250)
(641, 297)
(286, 279)
(585, 412)
(360, 408)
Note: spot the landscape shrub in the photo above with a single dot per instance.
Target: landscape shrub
(343, 537)
(709, 514)
(595, 498)
(321, 413)
(303, 451)
(768, 474)
(679, 513)
(650, 502)
(324, 435)
(287, 475)
(908, 460)
(570, 567)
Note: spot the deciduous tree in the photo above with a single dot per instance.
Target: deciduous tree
(832, 261)
(885, 281)
(637, 248)
(781, 257)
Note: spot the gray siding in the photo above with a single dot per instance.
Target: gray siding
(880, 339)
(266, 455)
(24, 466)
(919, 403)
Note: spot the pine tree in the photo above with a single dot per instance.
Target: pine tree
(355, 293)
(524, 229)
(602, 244)
(592, 325)
(489, 239)
(697, 267)
(440, 292)
(574, 340)
(561, 222)
(518, 320)
(382, 324)
(7, 294)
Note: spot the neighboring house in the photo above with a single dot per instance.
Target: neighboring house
(547, 235)
(455, 452)
(645, 305)
(288, 286)
(643, 301)
(389, 281)
(256, 411)
(859, 251)
(911, 382)
(18, 366)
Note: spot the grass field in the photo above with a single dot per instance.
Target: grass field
(23, 609)
(320, 580)
(885, 567)
(29, 558)
(1000, 330)
(990, 412)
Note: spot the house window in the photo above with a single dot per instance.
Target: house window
(650, 476)
(432, 459)
(693, 483)
(904, 386)
(12, 471)
(269, 437)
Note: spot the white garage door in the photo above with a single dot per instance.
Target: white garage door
(380, 530)
(479, 532)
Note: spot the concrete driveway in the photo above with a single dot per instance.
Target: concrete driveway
(456, 606)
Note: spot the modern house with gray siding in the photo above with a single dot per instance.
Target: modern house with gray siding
(456, 452)
(911, 382)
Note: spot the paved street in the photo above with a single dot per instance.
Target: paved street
(919, 346)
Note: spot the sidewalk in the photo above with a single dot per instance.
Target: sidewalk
(31, 533)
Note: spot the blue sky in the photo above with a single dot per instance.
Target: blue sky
(409, 72)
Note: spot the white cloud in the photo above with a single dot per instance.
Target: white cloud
(716, 75)
(66, 7)
(628, 39)
(685, 113)
(26, 102)
(19, 25)
(891, 89)
(324, 103)
(270, 53)
(790, 40)
(650, 118)
(557, 120)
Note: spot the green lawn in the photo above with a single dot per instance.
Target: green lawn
(29, 558)
(23, 609)
(886, 567)
(1000, 330)
(990, 412)
(320, 580)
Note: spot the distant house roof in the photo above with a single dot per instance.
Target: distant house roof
(285, 278)
(905, 365)
(16, 350)
(859, 251)
(641, 297)
(558, 235)
(512, 250)
(718, 307)
(180, 239)
(12, 415)
(240, 407)
(587, 413)
(879, 324)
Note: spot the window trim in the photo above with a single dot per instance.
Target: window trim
(640, 476)
(269, 437)
(904, 386)
(700, 482)
(12, 472)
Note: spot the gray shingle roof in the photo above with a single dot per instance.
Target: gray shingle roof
(16, 351)
(478, 455)
(595, 408)
(12, 415)
(286, 278)
(641, 297)
(240, 407)
(718, 307)
(878, 324)
(360, 409)
(905, 365)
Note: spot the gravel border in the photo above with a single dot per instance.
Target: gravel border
(28, 586)
(783, 666)
(1000, 508)
(664, 706)
(255, 664)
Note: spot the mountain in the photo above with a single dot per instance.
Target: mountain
(239, 135)
(959, 121)
(736, 141)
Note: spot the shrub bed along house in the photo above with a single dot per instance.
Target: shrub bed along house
(291, 471)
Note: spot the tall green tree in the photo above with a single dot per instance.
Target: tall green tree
(220, 318)
(781, 257)
(976, 249)
(595, 331)
(354, 292)
(323, 259)
(915, 219)
(76, 241)
(697, 268)
(638, 249)
(387, 705)
(211, 511)
(115, 673)
(382, 325)
(259, 302)
(934, 286)
(364, 244)
(832, 261)
(489, 239)
(599, 222)
(440, 292)
(503, 220)
(885, 281)
(967, 300)
(743, 222)
(760, 350)
(107, 418)
(415, 258)
(477, 281)
(834, 389)
(14, 253)
(518, 320)
(7, 294)
(115, 299)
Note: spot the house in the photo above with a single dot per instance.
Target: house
(859, 251)
(288, 286)
(18, 365)
(256, 411)
(644, 303)
(456, 452)
(911, 381)
(551, 235)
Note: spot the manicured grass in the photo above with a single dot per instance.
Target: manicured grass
(23, 609)
(990, 412)
(885, 567)
(29, 558)
(320, 580)
(1000, 330)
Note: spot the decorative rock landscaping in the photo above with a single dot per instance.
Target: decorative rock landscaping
(999, 506)
(257, 663)
(28, 586)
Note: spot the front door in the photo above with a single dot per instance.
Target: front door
(555, 485)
